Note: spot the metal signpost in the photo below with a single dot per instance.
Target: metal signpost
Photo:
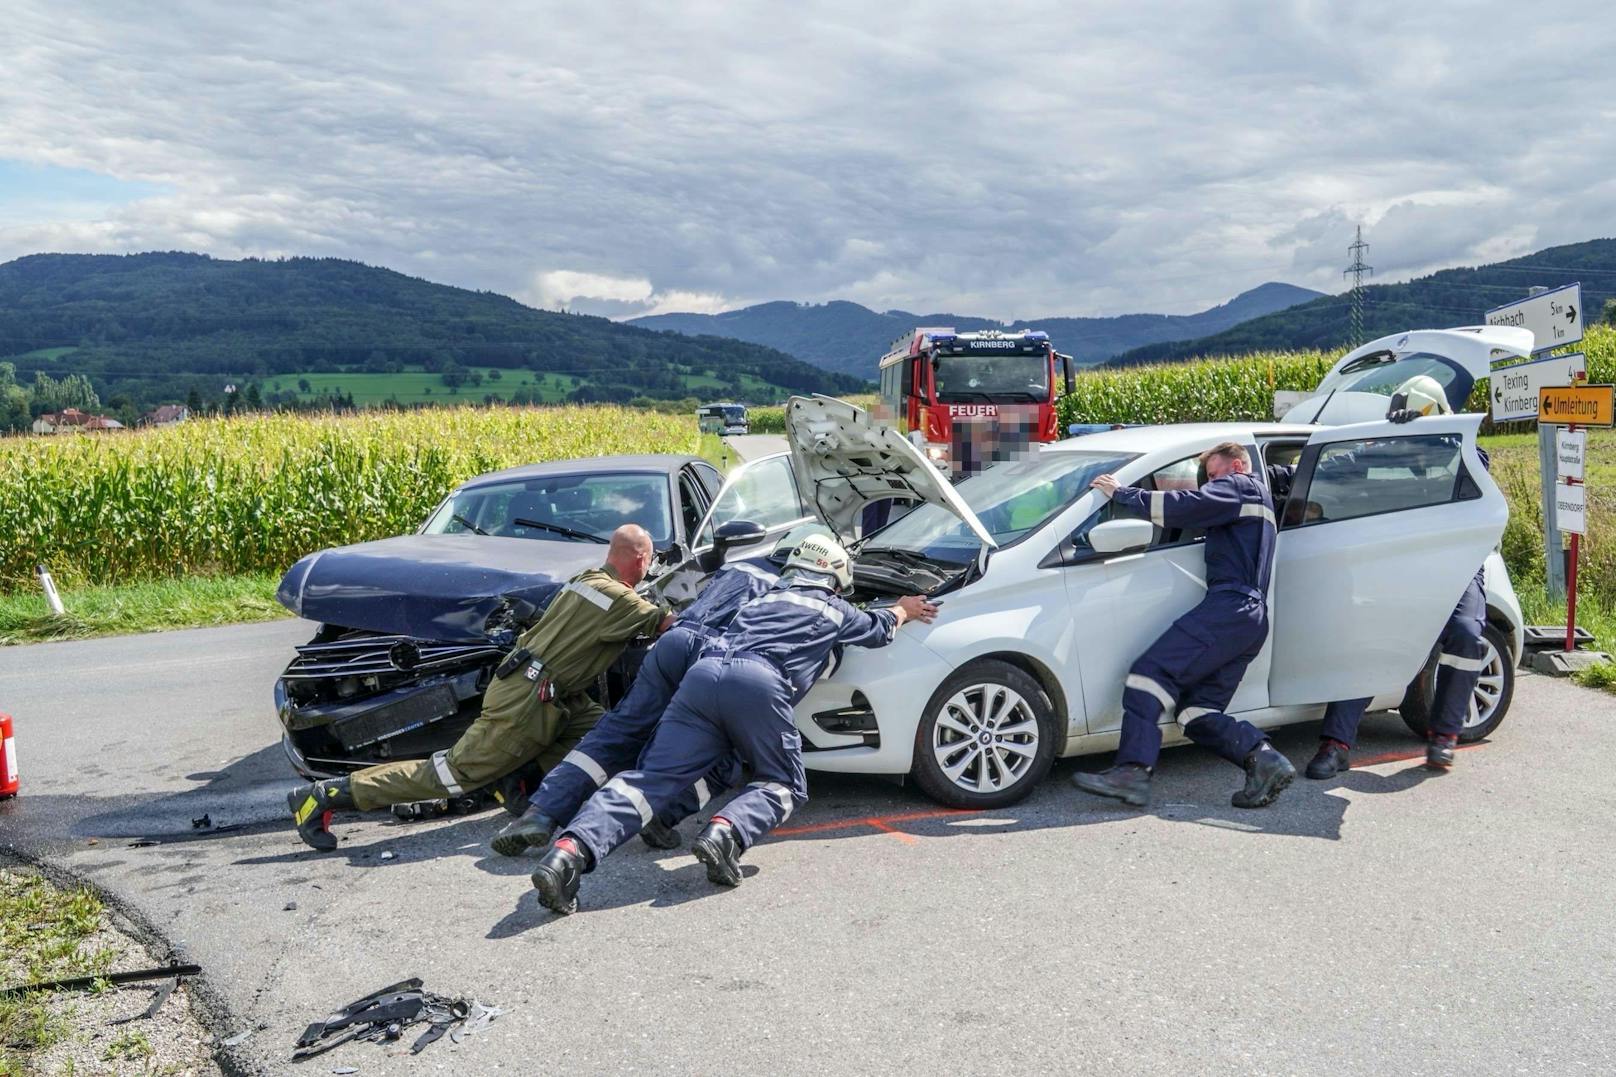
(1577, 406)
(1555, 318)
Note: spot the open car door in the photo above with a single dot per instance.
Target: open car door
(1384, 526)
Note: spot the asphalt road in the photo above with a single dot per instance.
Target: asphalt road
(1388, 921)
(752, 446)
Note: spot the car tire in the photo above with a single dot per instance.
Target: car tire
(986, 738)
(1490, 703)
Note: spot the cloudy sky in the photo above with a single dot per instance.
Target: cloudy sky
(1008, 159)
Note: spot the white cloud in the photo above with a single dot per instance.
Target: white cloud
(1021, 159)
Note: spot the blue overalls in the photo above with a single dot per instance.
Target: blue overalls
(739, 696)
(1459, 666)
(1194, 668)
(617, 740)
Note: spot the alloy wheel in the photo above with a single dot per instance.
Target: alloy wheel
(985, 738)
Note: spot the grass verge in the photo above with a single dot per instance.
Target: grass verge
(194, 602)
(45, 934)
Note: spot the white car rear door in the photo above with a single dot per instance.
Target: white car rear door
(1385, 525)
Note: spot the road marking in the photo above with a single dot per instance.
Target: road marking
(1399, 757)
(883, 823)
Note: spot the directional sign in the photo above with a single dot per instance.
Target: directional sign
(1555, 318)
(1570, 450)
(1580, 405)
(1571, 506)
(1514, 388)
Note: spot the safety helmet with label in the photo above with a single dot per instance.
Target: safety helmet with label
(823, 554)
(1423, 394)
(792, 539)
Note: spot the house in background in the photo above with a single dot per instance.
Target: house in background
(72, 421)
(166, 415)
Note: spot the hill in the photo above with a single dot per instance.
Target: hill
(148, 325)
(849, 338)
(1449, 297)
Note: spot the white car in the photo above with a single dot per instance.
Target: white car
(1047, 600)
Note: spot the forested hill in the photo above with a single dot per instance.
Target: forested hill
(134, 321)
(850, 339)
(1448, 298)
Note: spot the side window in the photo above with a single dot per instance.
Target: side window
(692, 501)
(1350, 479)
(764, 492)
(710, 478)
(1182, 474)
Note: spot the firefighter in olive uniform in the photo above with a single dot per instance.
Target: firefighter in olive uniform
(535, 707)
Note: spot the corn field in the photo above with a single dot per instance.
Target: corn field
(257, 493)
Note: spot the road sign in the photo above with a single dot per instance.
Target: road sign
(1580, 405)
(1571, 505)
(1571, 449)
(1555, 318)
(1514, 388)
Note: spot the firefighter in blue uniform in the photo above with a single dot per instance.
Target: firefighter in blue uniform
(1462, 652)
(1192, 671)
(622, 734)
(739, 696)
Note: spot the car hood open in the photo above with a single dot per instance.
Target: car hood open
(845, 460)
(441, 587)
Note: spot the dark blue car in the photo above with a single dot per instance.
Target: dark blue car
(411, 627)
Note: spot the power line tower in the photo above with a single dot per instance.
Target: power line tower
(1357, 270)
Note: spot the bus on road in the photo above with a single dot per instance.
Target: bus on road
(722, 419)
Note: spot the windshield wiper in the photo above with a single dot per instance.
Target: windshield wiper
(463, 522)
(558, 529)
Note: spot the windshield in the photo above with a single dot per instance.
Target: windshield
(1011, 500)
(964, 378)
(1385, 378)
(550, 506)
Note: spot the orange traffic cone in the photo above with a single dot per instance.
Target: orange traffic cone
(8, 759)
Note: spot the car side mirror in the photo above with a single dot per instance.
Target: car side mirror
(1117, 536)
(733, 533)
(1066, 367)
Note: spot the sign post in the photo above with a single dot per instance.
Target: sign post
(1554, 317)
(1576, 406)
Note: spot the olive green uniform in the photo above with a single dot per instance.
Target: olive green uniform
(582, 632)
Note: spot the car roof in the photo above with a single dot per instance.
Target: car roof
(660, 463)
(1146, 439)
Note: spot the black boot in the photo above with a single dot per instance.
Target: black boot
(1267, 775)
(312, 806)
(1439, 752)
(659, 835)
(513, 790)
(720, 850)
(556, 878)
(1331, 759)
(530, 831)
(1127, 782)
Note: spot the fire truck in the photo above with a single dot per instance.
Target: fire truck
(969, 400)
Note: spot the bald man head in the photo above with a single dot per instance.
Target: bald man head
(630, 553)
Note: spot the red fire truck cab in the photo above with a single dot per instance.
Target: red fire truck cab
(969, 400)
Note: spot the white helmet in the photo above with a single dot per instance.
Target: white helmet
(792, 539)
(823, 554)
(1423, 394)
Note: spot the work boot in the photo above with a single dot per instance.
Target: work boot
(1267, 774)
(312, 806)
(1331, 759)
(718, 848)
(530, 831)
(556, 877)
(659, 835)
(1127, 782)
(1439, 752)
(513, 790)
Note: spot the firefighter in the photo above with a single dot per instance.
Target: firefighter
(739, 696)
(535, 706)
(1463, 654)
(1192, 671)
(618, 738)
